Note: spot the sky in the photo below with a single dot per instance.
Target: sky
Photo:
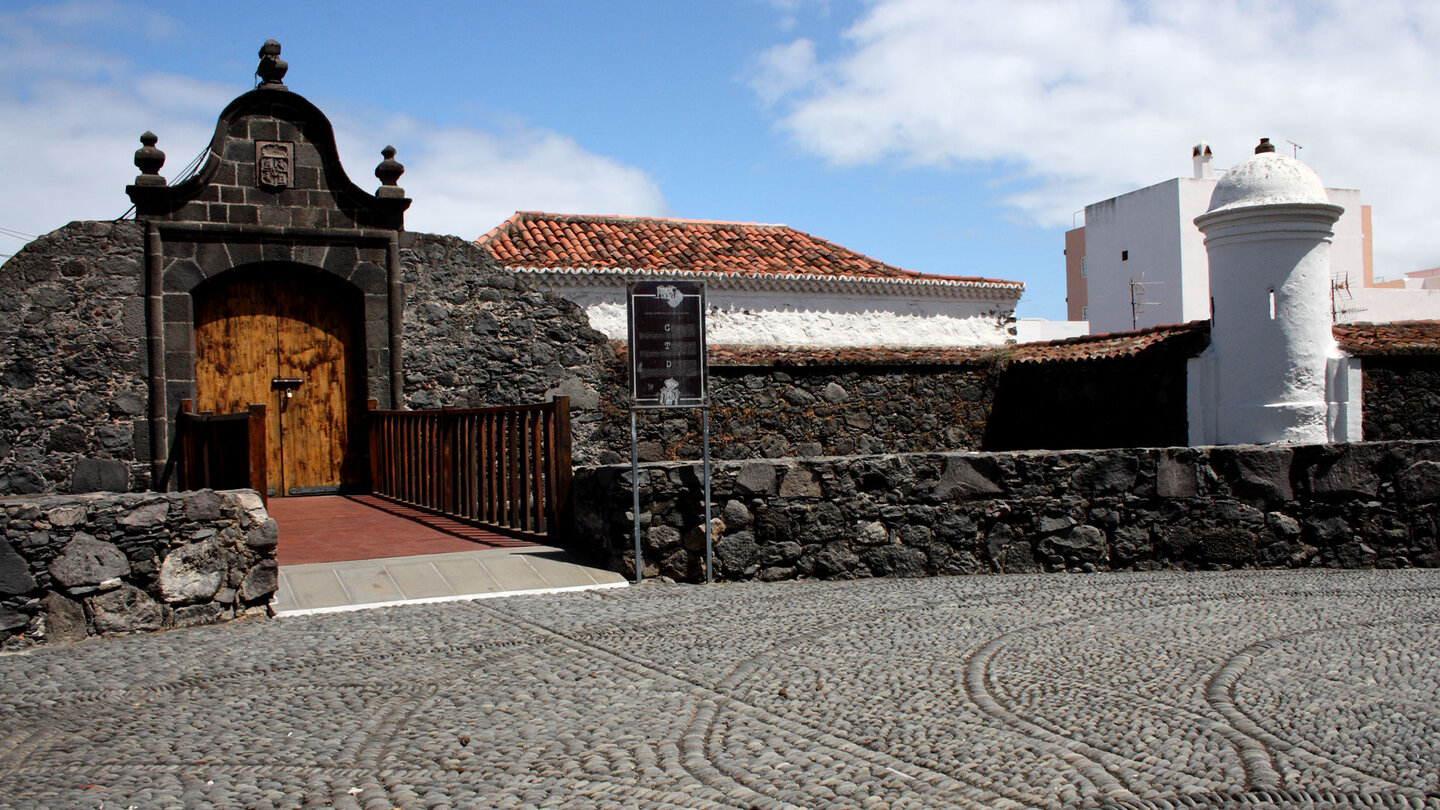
(957, 137)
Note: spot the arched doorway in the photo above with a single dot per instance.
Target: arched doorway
(285, 335)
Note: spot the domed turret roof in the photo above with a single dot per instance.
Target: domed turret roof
(1267, 178)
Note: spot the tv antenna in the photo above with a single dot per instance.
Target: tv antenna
(1337, 307)
(1137, 299)
(1294, 148)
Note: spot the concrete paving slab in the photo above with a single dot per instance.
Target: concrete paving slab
(358, 584)
(469, 575)
(367, 583)
(419, 579)
(560, 573)
(313, 587)
(515, 571)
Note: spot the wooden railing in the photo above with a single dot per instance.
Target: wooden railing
(504, 468)
(217, 451)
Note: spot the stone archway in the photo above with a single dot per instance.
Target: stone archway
(270, 191)
(291, 337)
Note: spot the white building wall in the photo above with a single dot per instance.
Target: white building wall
(1379, 305)
(1347, 250)
(1126, 237)
(1039, 330)
(1195, 283)
(804, 318)
(1157, 226)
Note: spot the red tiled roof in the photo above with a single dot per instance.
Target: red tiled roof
(1382, 339)
(1185, 339)
(1182, 340)
(531, 239)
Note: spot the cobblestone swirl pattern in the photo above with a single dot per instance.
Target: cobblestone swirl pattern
(1241, 689)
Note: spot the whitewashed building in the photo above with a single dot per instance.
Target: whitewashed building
(1140, 261)
(765, 284)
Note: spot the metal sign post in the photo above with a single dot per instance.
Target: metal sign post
(667, 370)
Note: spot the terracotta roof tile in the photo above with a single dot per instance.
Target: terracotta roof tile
(1382, 339)
(1186, 339)
(531, 239)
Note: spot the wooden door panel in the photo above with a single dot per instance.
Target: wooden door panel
(235, 360)
(269, 324)
(312, 342)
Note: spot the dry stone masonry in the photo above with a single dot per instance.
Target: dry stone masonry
(72, 364)
(1364, 505)
(107, 564)
(476, 334)
(1402, 397)
(774, 412)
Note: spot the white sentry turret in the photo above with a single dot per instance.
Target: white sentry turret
(1263, 378)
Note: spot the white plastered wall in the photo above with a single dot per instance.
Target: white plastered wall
(1267, 374)
(806, 318)
(1129, 236)
(1380, 305)
(1156, 226)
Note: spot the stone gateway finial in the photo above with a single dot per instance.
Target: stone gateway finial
(271, 69)
(389, 172)
(148, 160)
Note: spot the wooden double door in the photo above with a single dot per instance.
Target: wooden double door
(286, 336)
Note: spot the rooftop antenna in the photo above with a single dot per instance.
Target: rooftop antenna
(1137, 298)
(1341, 290)
(1295, 148)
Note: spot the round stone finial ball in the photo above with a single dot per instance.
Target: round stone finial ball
(148, 159)
(271, 69)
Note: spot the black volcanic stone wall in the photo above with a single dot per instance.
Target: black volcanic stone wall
(477, 335)
(1401, 397)
(72, 362)
(1120, 402)
(75, 566)
(1365, 505)
(833, 410)
(837, 410)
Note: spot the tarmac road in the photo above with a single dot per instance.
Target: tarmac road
(1253, 689)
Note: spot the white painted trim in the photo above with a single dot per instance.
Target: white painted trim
(430, 600)
(933, 286)
(1343, 393)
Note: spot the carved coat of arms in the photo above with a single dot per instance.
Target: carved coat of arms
(274, 164)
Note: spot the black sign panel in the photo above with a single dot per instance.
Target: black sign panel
(667, 344)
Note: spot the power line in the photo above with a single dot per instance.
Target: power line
(17, 234)
(191, 167)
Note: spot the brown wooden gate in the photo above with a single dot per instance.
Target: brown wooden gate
(284, 336)
(504, 468)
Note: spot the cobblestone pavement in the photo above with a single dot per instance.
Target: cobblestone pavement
(1165, 690)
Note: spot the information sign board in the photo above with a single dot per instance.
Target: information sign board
(667, 344)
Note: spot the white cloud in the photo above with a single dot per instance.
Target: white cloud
(1078, 100)
(69, 128)
(466, 181)
(786, 69)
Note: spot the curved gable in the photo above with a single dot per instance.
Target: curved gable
(272, 162)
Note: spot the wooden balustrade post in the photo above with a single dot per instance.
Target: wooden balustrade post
(445, 501)
(372, 439)
(255, 433)
(508, 468)
(561, 507)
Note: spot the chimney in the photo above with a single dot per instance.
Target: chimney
(1201, 156)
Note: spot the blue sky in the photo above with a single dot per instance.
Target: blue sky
(941, 136)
